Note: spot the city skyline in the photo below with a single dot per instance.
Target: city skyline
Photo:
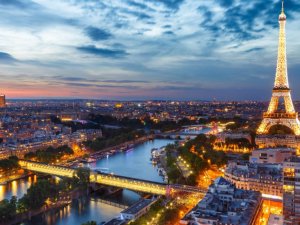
(144, 50)
(121, 112)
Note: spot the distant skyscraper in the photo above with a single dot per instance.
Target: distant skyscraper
(2, 101)
(281, 109)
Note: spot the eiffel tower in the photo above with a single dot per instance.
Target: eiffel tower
(286, 114)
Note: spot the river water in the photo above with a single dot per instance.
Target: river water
(134, 164)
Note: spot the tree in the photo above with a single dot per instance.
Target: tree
(90, 223)
(82, 178)
(169, 217)
(113, 137)
(38, 193)
(173, 174)
(8, 209)
(9, 164)
(246, 156)
(49, 155)
(55, 119)
(29, 156)
(13, 205)
(22, 205)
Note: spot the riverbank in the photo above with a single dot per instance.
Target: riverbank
(6, 180)
(28, 215)
(64, 199)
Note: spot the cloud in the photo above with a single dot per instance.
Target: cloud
(178, 88)
(171, 4)
(103, 52)
(243, 20)
(15, 3)
(97, 34)
(169, 32)
(254, 50)
(125, 81)
(100, 85)
(138, 14)
(208, 23)
(84, 79)
(64, 78)
(225, 3)
(7, 58)
(139, 5)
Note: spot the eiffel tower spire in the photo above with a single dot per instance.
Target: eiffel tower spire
(276, 116)
(281, 78)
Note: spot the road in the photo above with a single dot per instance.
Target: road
(269, 207)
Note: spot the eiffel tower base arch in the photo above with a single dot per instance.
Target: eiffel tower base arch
(267, 123)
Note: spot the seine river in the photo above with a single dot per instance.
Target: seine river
(135, 164)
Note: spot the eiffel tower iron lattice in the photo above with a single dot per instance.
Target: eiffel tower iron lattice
(281, 91)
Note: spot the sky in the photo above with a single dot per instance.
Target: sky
(145, 49)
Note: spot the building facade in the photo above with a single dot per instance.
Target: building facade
(265, 178)
(271, 155)
(291, 191)
(271, 141)
(2, 101)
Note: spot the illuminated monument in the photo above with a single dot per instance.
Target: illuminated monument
(281, 109)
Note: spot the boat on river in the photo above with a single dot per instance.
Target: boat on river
(127, 148)
(90, 159)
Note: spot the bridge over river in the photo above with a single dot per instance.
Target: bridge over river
(111, 180)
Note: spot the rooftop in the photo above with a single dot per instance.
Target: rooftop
(237, 207)
(221, 181)
(293, 159)
(116, 222)
(138, 206)
(254, 170)
(275, 220)
(277, 149)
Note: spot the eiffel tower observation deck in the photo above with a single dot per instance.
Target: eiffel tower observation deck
(281, 111)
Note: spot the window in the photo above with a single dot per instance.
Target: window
(289, 172)
(288, 188)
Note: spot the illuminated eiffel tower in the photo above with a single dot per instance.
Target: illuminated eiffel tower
(285, 115)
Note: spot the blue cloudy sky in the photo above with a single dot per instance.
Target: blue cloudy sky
(145, 49)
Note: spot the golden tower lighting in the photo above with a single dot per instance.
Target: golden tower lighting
(281, 91)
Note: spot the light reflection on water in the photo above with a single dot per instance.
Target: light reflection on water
(2, 191)
(79, 212)
(135, 163)
(16, 188)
